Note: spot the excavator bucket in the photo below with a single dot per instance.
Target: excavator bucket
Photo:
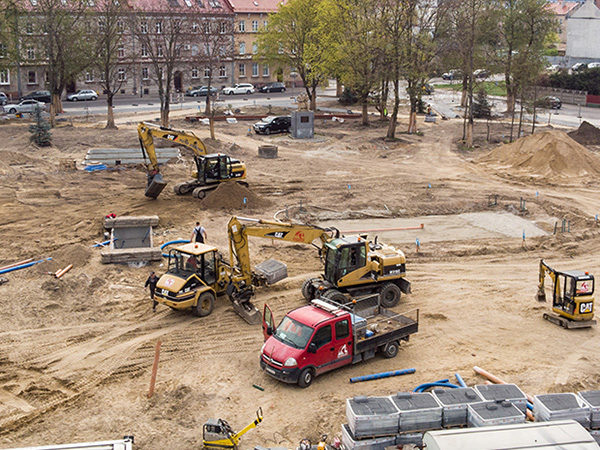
(248, 312)
(541, 295)
(156, 186)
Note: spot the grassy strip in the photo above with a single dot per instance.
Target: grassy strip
(491, 87)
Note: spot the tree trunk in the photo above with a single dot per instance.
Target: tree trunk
(520, 117)
(463, 97)
(391, 132)
(339, 88)
(313, 99)
(207, 108)
(110, 117)
(55, 108)
(365, 112)
(211, 124)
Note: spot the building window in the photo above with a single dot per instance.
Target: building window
(255, 25)
(206, 27)
(254, 69)
(159, 50)
(145, 73)
(4, 76)
(265, 25)
(29, 28)
(144, 51)
(89, 77)
(242, 70)
(121, 51)
(254, 48)
(222, 27)
(30, 53)
(158, 27)
(144, 27)
(46, 77)
(194, 50)
(195, 27)
(265, 71)
(121, 75)
(207, 72)
(195, 73)
(32, 77)
(120, 26)
(2, 50)
(242, 26)
(161, 73)
(222, 72)
(242, 48)
(101, 26)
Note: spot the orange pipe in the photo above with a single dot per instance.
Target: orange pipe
(25, 261)
(420, 227)
(63, 271)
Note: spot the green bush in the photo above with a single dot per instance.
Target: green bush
(348, 97)
(583, 80)
(40, 130)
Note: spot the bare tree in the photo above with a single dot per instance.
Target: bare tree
(112, 62)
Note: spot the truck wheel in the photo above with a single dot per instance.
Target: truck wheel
(389, 295)
(334, 295)
(390, 350)
(306, 378)
(205, 305)
(308, 290)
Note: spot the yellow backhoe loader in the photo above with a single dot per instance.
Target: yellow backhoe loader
(197, 273)
(572, 297)
(217, 433)
(211, 169)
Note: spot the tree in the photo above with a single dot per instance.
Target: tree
(40, 131)
(110, 50)
(481, 106)
(64, 39)
(292, 39)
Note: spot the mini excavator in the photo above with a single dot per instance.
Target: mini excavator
(211, 169)
(217, 433)
(572, 297)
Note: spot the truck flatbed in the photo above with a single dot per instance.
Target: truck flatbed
(390, 327)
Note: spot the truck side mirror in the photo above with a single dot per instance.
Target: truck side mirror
(269, 330)
(312, 348)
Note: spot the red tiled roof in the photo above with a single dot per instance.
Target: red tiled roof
(561, 8)
(204, 7)
(255, 6)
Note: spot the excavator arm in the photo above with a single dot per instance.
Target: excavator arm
(146, 133)
(546, 269)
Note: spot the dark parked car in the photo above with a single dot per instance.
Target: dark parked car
(40, 96)
(273, 87)
(273, 124)
(200, 91)
(549, 102)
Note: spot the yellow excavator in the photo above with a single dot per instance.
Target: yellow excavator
(211, 169)
(572, 297)
(197, 273)
(217, 433)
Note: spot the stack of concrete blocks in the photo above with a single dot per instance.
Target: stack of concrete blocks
(372, 423)
(499, 412)
(131, 240)
(562, 406)
(499, 392)
(303, 124)
(118, 156)
(454, 405)
(592, 399)
(417, 412)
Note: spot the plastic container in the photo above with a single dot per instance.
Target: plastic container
(500, 412)
(371, 416)
(272, 270)
(510, 392)
(352, 443)
(454, 405)
(592, 399)
(417, 411)
(562, 406)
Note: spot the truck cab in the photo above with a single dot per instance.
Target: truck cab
(323, 336)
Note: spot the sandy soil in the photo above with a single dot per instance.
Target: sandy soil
(76, 353)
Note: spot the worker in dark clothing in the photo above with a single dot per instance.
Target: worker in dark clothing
(199, 234)
(151, 283)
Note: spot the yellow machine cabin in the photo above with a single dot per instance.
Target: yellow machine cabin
(211, 169)
(572, 297)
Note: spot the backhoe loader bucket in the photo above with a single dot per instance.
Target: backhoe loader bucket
(156, 186)
(248, 312)
(541, 295)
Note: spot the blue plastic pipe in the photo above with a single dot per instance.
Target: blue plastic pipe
(460, 380)
(102, 244)
(529, 405)
(24, 266)
(176, 241)
(425, 386)
(377, 376)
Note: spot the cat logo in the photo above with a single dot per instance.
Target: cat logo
(586, 307)
(299, 236)
(277, 234)
(171, 137)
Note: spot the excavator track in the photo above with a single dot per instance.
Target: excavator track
(569, 324)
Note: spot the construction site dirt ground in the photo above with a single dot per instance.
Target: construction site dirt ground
(76, 353)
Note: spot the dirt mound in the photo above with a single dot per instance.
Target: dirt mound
(231, 196)
(551, 154)
(586, 134)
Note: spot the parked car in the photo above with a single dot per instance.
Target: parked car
(273, 124)
(480, 73)
(549, 102)
(578, 66)
(273, 87)
(25, 106)
(40, 96)
(553, 68)
(200, 91)
(452, 74)
(83, 94)
(3, 99)
(241, 88)
(594, 65)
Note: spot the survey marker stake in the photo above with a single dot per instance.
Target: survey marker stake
(154, 369)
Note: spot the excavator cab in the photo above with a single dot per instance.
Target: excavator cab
(342, 258)
(213, 168)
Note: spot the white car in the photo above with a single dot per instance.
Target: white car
(83, 94)
(578, 66)
(241, 88)
(26, 106)
(594, 65)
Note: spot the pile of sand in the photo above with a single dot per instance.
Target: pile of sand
(551, 154)
(231, 196)
(586, 134)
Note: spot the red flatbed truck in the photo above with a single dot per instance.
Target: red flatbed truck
(324, 336)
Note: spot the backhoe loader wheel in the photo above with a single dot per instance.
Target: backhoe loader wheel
(205, 305)
(334, 295)
(308, 289)
(199, 193)
(389, 295)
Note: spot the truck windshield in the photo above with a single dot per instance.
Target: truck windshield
(293, 333)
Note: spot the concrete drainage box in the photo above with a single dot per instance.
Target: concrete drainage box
(510, 392)
(500, 412)
(131, 240)
(418, 412)
(303, 124)
(454, 405)
(561, 406)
